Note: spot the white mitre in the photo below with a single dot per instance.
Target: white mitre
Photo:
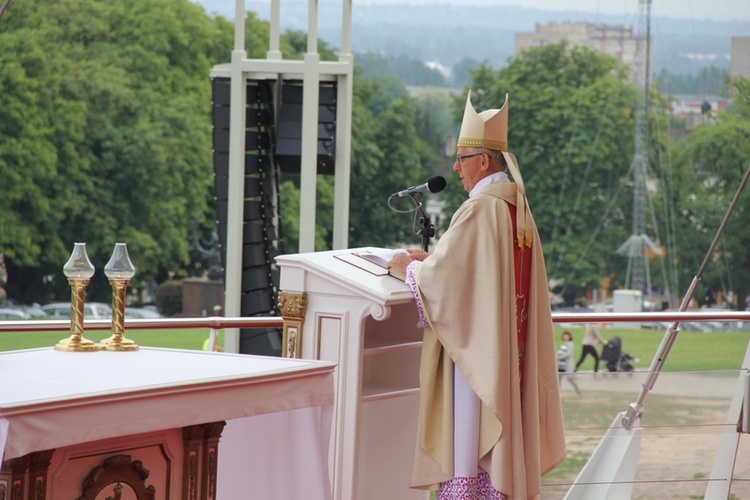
(488, 129)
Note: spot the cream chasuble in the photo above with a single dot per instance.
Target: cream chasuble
(467, 288)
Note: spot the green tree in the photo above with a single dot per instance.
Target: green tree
(289, 193)
(708, 81)
(409, 70)
(711, 162)
(571, 128)
(106, 140)
(433, 120)
(462, 71)
(387, 88)
(387, 156)
(294, 46)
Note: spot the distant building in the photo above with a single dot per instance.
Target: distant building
(617, 41)
(689, 111)
(694, 110)
(683, 105)
(739, 64)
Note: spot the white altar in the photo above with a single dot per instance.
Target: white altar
(71, 422)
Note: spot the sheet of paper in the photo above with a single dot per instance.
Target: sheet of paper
(381, 256)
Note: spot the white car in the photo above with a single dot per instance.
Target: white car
(19, 313)
(91, 310)
(141, 313)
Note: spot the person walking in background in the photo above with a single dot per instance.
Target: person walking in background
(590, 339)
(565, 361)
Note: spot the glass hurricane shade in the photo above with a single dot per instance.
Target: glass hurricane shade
(119, 266)
(79, 266)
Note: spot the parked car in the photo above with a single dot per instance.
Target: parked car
(141, 313)
(91, 310)
(20, 313)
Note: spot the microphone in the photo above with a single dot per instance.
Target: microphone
(434, 185)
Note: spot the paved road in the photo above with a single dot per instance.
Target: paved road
(715, 384)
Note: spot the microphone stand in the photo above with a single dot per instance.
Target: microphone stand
(428, 229)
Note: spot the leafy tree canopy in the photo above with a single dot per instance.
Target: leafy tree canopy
(105, 135)
(710, 163)
(571, 129)
(409, 70)
(387, 156)
(708, 81)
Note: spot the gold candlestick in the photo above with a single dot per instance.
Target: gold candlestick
(119, 270)
(118, 341)
(79, 270)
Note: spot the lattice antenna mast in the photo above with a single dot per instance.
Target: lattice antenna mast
(636, 246)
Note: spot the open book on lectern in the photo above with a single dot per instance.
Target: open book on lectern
(374, 261)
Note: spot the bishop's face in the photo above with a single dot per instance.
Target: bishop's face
(470, 167)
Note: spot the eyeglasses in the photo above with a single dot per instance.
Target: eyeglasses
(460, 158)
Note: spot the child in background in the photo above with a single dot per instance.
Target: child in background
(565, 361)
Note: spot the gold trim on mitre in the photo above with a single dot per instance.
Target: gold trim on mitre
(488, 129)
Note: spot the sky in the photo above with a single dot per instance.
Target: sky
(693, 9)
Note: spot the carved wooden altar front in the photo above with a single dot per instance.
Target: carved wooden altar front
(144, 467)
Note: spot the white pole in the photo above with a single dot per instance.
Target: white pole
(236, 192)
(309, 146)
(345, 97)
(274, 51)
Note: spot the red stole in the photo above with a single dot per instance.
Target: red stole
(522, 267)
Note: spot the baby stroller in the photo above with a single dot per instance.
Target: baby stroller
(617, 360)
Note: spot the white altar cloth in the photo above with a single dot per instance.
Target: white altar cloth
(294, 460)
(50, 399)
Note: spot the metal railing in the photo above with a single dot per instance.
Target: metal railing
(220, 322)
(210, 322)
(617, 390)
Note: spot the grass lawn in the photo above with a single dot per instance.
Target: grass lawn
(179, 339)
(691, 350)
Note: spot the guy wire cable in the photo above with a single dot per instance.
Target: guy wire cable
(635, 409)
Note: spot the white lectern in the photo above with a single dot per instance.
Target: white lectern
(353, 313)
